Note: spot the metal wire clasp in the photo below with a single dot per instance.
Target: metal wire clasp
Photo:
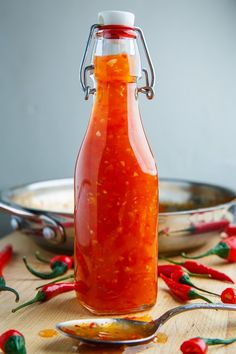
(86, 70)
(148, 89)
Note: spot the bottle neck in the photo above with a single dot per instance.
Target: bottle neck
(116, 99)
(116, 71)
(116, 57)
(116, 107)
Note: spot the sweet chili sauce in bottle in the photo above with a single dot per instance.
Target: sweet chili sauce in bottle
(116, 184)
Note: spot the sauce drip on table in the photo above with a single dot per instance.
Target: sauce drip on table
(48, 333)
(160, 338)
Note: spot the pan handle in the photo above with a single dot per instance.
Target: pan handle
(17, 211)
(232, 209)
(51, 230)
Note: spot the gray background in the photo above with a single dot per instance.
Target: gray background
(190, 124)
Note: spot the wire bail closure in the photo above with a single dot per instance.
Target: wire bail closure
(87, 70)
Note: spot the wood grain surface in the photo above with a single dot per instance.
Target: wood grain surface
(30, 321)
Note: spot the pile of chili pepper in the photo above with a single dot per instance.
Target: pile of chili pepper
(59, 264)
(200, 345)
(5, 257)
(178, 275)
(12, 342)
(182, 291)
(225, 249)
(196, 268)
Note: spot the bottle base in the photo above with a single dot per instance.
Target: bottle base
(116, 312)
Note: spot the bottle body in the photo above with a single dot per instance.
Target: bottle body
(116, 199)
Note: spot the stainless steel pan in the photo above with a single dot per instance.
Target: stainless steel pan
(190, 213)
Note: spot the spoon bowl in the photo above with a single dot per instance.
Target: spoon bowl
(108, 330)
(124, 331)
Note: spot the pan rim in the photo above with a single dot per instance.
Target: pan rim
(6, 193)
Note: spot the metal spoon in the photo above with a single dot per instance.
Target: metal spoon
(124, 331)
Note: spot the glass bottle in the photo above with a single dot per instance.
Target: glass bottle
(116, 184)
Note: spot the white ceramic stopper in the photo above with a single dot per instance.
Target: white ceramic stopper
(122, 18)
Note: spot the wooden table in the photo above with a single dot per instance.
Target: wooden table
(30, 321)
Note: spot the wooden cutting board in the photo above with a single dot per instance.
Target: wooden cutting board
(30, 321)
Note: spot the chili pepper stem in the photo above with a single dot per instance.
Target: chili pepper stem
(71, 276)
(205, 299)
(38, 298)
(188, 282)
(199, 275)
(40, 258)
(213, 341)
(195, 295)
(171, 261)
(221, 250)
(55, 273)
(205, 291)
(209, 253)
(16, 345)
(7, 288)
(184, 278)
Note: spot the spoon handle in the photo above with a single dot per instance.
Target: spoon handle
(177, 310)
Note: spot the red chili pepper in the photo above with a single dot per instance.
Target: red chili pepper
(79, 286)
(5, 257)
(228, 296)
(12, 342)
(48, 292)
(199, 228)
(168, 269)
(66, 277)
(230, 230)
(180, 276)
(200, 345)
(58, 264)
(208, 227)
(225, 249)
(194, 346)
(182, 291)
(198, 268)
(44, 260)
